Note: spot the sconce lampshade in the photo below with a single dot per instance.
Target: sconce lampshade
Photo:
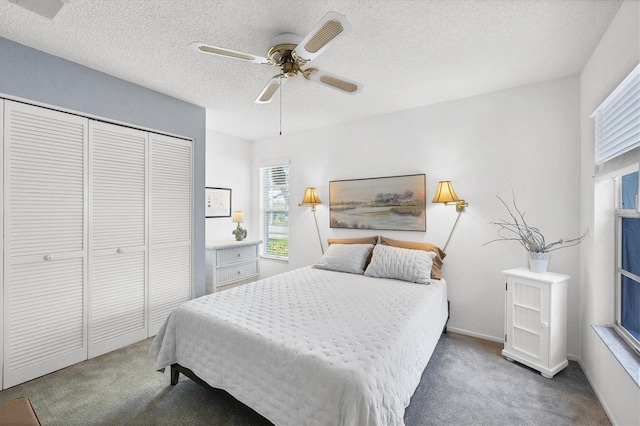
(238, 217)
(445, 193)
(311, 198)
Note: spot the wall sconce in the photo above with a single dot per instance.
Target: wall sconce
(311, 199)
(239, 232)
(445, 194)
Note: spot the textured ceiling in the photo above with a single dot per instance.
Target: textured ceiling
(406, 53)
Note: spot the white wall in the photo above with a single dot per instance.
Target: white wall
(229, 166)
(528, 136)
(616, 55)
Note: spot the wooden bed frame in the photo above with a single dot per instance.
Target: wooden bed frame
(176, 369)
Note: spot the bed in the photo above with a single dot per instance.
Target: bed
(312, 346)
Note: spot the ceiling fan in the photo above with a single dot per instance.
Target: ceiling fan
(292, 53)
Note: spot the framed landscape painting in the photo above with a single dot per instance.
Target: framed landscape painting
(396, 203)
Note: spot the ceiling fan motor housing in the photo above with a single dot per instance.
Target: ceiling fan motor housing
(282, 53)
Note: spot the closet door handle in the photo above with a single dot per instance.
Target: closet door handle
(120, 250)
(48, 257)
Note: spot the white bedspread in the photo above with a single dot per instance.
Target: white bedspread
(311, 347)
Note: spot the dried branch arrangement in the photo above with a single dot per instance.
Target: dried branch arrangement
(528, 236)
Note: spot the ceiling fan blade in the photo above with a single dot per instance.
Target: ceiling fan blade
(220, 51)
(270, 89)
(333, 81)
(331, 27)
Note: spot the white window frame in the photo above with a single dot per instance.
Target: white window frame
(616, 154)
(619, 272)
(263, 210)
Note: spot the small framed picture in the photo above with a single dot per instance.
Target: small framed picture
(217, 202)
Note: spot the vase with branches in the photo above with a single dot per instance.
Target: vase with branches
(530, 237)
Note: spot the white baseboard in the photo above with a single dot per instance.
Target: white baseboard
(598, 395)
(575, 358)
(569, 357)
(474, 334)
(499, 340)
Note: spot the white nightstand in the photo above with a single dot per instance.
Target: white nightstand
(231, 263)
(536, 320)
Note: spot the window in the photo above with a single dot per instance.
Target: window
(617, 153)
(627, 321)
(274, 211)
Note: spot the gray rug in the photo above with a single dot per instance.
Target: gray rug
(467, 381)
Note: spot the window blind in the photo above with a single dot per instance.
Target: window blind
(618, 120)
(274, 210)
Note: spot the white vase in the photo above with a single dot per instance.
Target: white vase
(538, 262)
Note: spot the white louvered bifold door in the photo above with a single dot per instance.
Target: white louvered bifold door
(118, 237)
(1, 239)
(45, 241)
(170, 253)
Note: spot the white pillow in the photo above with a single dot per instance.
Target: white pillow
(401, 264)
(345, 258)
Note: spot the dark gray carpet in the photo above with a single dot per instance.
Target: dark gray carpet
(467, 381)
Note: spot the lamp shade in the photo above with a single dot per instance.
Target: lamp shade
(310, 198)
(445, 193)
(238, 217)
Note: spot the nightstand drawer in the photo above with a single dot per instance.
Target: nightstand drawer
(236, 254)
(236, 272)
(231, 263)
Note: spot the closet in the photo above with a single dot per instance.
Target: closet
(118, 243)
(97, 237)
(171, 226)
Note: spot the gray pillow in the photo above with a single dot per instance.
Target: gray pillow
(345, 258)
(401, 264)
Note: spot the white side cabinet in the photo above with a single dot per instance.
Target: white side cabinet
(536, 320)
(231, 263)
